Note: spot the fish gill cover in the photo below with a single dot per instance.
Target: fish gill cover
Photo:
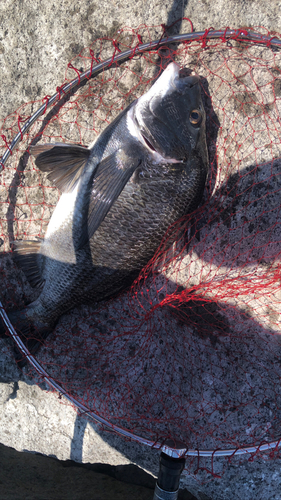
(192, 351)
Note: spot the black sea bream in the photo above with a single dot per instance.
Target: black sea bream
(119, 196)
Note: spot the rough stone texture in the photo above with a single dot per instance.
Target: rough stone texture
(36, 43)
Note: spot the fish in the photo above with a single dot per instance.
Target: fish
(118, 198)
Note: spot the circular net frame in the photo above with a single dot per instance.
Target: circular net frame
(191, 352)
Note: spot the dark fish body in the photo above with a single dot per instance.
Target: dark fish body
(119, 196)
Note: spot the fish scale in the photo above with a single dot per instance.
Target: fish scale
(119, 197)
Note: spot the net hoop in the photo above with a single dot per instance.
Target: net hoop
(240, 35)
(174, 449)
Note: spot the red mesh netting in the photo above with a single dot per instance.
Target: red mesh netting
(192, 351)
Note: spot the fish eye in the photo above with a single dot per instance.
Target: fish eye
(195, 117)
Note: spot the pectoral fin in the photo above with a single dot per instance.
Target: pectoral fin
(64, 162)
(111, 176)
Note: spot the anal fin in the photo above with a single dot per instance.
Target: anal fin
(27, 256)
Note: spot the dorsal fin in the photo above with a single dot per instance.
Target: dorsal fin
(64, 162)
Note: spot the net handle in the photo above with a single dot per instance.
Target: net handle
(238, 34)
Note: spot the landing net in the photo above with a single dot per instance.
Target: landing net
(189, 358)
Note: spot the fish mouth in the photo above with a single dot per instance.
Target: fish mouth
(179, 77)
(190, 80)
(185, 80)
(185, 73)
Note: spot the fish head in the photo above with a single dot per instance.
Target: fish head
(170, 117)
